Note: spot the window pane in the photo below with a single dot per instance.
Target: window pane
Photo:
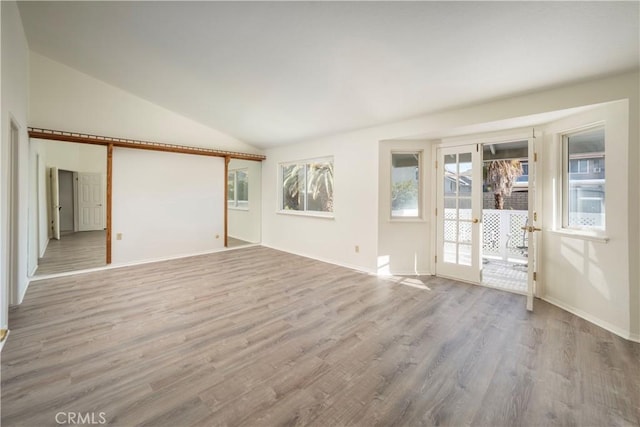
(320, 186)
(293, 187)
(450, 175)
(231, 187)
(242, 187)
(450, 252)
(586, 195)
(405, 184)
(464, 232)
(451, 231)
(465, 166)
(464, 254)
(464, 206)
(306, 186)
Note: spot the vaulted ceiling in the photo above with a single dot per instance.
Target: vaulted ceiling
(272, 73)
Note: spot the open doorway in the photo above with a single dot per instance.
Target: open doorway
(243, 203)
(67, 214)
(71, 205)
(505, 215)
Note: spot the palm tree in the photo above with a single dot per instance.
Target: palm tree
(293, 183)
(319, 191)
(501, 175)
(320, 184)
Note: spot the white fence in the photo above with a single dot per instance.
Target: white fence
(590, 220)
(502, 234)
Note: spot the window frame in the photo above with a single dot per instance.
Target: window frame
(563, 175)
(308, 213)
(234, 203)
(420, 215)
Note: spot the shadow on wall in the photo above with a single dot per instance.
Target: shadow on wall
(582, 256)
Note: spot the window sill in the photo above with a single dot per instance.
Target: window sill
(583, 235)
(235, 208)
(324, 215)
(409, 219)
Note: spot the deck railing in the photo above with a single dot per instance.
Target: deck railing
(502, 234)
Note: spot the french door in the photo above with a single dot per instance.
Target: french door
(532, 224)
(459, 215)
(459, 211)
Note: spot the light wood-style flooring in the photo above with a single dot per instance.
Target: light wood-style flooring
(232, 242)
(74, 251)
(257, 337)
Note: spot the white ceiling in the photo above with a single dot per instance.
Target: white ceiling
(271, 73)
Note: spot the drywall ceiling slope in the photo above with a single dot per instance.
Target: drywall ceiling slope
(272, 73)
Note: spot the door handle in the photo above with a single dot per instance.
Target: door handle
(476, 220)
(530, 228)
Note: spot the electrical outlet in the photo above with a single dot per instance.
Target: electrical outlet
(357, 249)
(119, 236)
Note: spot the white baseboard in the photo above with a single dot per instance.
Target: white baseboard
(626, 334)
(328, 261)
(168, 258)
(133, 263)
(406, 273)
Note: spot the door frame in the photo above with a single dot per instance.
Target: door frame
(531, 134)
(13, 213)
(54, 184)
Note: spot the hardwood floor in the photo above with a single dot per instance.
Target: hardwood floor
(255, 336)
(232, 242)
(74, 251)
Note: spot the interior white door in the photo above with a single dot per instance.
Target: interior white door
(532, 227)
(55, 203)
(90, 197)
(459, 213)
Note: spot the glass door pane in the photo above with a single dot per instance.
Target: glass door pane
(457, 193)
(458, 225)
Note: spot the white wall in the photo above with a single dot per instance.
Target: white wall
(74, 157)
(590, 278)
(62, 98)
(14, 91)
(166, 205)
(244, 224)
(404, 244)
(355, 203)
(357, 168)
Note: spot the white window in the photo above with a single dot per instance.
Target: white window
(307, 186)
(584, 179)
(238, 189)
(405, 184)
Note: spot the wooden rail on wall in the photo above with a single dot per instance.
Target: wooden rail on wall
(82, 138)
(226, 201)
(109, 198)
(110, 143)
